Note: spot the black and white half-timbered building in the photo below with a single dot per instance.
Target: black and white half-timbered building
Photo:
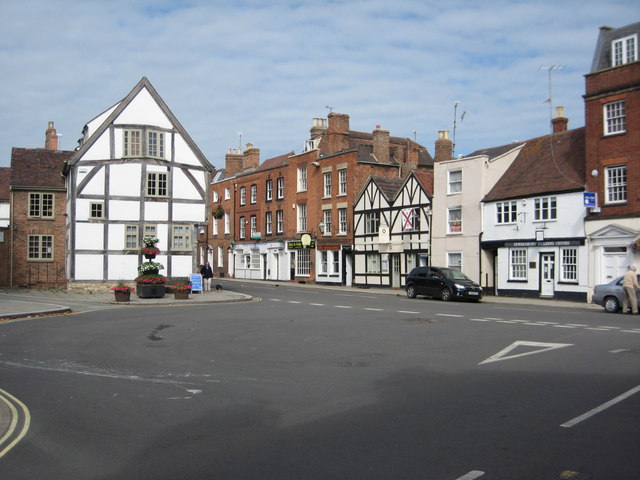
(392, 219)
(136, 172)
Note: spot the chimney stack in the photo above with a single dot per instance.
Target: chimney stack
(381, 144)
(51, 138)
(318, 128)
(444, 146)
(338, 132)
(233, 162)
(251, 157)
(560, 122)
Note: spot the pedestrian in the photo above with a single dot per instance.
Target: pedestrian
(630, 285)
(207, 275)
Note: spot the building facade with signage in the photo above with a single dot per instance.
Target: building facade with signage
(533, 219)
(291, 217)
(612, 122)
(392, 224)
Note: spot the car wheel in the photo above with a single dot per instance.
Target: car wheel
(411, 291)
(611, 304)
(445, 295)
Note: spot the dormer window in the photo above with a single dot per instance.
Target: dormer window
(624, 50)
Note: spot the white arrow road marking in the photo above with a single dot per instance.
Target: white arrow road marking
(541, 347)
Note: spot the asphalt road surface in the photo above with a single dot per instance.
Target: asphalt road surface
(309, 383)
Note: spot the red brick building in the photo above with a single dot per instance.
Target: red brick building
(612, 146)
(277, 216)
(38, 222)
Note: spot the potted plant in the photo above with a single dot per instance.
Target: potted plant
(181, 291)
(150, 241)
(150, 252)
(150, 268)
(150, 285)
(218, 212)
(122, 292)
(635, 245)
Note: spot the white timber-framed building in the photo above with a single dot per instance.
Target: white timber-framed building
(136, 172)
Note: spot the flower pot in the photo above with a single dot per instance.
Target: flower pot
(149, 256)
(181, 294)
(150, 291)
(122, 296)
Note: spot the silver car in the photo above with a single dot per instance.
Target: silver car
(611, 295)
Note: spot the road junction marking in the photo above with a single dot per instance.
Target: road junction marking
(539, 348)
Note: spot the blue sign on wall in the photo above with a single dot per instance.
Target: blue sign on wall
(589, 200)
(196, 282)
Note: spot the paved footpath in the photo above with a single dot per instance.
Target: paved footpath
(20, 303)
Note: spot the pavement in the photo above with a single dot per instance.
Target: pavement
(20, 303)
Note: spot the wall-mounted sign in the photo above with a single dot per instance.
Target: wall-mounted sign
(300, 246)
(590, 200)
(383, 234)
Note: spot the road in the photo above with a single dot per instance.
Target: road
(310, 383)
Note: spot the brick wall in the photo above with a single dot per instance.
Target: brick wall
(44, 273)
(620, 83)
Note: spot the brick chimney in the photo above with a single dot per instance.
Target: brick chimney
(444, 146)
(233, 162)
(338, 132)
(560, 122)
(51, 138)
(381, 144)
(250, 157)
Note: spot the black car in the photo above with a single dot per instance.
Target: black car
(443, 283)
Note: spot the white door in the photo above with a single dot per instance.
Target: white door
(547, 264)
(395, 272)
(614, 260)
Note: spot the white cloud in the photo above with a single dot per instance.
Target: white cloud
(268, 68)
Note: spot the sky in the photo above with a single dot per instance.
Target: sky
(239, 71)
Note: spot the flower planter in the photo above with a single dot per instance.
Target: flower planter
(122, 296)
(150, 291)
(149, 256)
(181, 294)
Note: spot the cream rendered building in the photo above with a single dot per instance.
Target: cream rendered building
(460, 184)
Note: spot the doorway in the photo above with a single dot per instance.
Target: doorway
(395, 271)
(548, 270)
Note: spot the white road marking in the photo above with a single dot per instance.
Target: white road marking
(577, 325)
(408, 311)
(479, 320)
(542, 347)
(548, 323)
(601, 408)
(293, 301)
(448, 315)
(598, 329)
(564, 326)
(493, 318)
(375, 309)
(275, 299)
(317, 304)
(471, 475)
(630, 331)
(342, 306)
